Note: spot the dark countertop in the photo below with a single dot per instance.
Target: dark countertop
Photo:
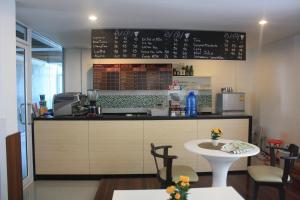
(117, 117)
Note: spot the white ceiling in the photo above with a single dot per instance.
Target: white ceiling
(66, 21)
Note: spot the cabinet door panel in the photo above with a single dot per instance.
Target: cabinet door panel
(61, 147)
(169, 132)
(116, 147)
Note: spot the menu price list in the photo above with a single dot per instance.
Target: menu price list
(168, 44)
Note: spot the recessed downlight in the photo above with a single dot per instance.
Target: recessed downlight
(93, 17)
(262, 22)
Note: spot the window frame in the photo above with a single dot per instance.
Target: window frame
(53, 43)
(28, 58)
(27, 31)
(28, 43)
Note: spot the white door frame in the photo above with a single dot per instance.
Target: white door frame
(26, 45)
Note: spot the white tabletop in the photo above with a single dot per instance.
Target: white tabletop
(193, 147)
(213, 193)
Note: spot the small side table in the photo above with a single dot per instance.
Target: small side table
(275, 142)
(220, 161)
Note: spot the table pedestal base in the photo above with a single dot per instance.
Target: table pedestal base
(220, 167)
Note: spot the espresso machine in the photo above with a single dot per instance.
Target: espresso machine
(70, 103)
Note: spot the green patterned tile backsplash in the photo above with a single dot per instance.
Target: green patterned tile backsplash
(205, 101)
(132, 101)
(145, 101)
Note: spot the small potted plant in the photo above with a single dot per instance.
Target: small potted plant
(179, 191)
(215, 134)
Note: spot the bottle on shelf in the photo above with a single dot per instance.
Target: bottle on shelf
(182, 71)
(187, 72)
(43, 105)
(174, 72)
(191, 71)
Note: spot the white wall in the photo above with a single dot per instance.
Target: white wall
(72, 70)
(235, 74)
(3, 179)
(277, 90)
(8, 103)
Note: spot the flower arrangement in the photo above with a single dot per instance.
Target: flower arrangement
(179, 191)
(216, 133)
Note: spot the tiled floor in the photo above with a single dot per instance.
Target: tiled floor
(61, 190)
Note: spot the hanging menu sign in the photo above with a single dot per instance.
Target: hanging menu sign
(168, 44)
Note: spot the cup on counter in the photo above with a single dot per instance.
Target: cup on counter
(98, 110)
(182, 113)
(92, 110)
(173, 113)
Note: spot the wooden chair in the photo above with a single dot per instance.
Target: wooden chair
(169, 173)
(14, 167)
(274, 176)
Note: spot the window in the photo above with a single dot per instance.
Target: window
(21, 31)
(47, 69)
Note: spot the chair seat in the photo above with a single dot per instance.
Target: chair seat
(179, 170)
(263, 173)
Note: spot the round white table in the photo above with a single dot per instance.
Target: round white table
(220, 161)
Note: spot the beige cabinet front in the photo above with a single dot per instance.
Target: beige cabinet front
(233, 129)
(116, 147)
(123, 147)
(61, 147)
(169, 132)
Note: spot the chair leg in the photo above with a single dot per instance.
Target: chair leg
(281, 193)
(256, 188)
(165, 184)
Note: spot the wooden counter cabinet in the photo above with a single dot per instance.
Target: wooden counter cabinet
(116, 147)
(61, 147)
(169, 132)
(99, 147)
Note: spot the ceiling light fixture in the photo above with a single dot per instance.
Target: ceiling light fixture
(93, 17)
(263, 22)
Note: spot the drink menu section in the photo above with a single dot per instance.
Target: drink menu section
(168, 44)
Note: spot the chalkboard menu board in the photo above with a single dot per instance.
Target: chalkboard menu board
(168, 44)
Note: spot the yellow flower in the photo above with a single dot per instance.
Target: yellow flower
(177, 196)
(171, 189)
(216, 130)
(183, 184)
(184, 179)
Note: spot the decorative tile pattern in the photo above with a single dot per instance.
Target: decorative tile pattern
(205, 100)
(132, 101)
(146, 99)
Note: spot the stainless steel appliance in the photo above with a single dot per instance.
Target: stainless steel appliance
(69, 104)
(93, 95)
(230, 103)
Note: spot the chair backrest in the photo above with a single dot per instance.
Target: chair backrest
(289, 161)
(167, 159)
